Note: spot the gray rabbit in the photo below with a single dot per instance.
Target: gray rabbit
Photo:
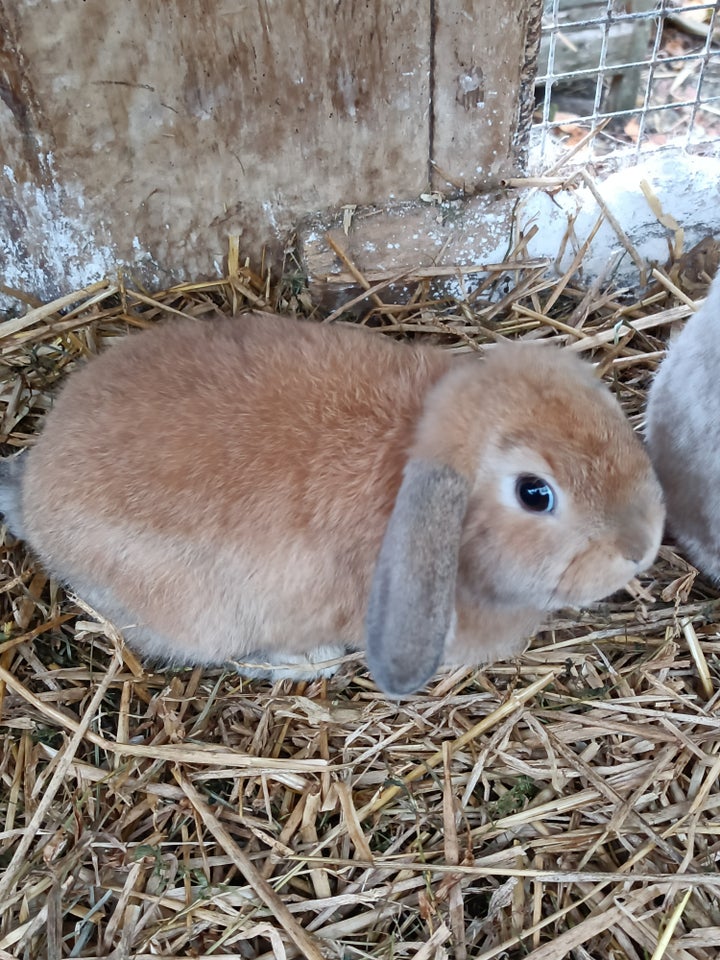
(683, 433)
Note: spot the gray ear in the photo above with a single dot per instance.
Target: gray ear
(412, 596)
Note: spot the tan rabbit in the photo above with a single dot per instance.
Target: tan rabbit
(274, 490)
(683, 433)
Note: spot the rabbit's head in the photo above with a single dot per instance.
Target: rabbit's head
(526, 488)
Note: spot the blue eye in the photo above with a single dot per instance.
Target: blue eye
(535, 494)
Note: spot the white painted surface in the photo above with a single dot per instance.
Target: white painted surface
(687, 187)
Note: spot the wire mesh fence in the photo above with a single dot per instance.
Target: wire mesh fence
(646, 71)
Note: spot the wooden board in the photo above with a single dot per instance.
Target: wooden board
(447, 243)
(146, 134)
(483, 69)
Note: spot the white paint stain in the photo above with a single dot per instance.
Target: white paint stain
(48, 249)
(346, 85)
(51, 245)
(269, 209)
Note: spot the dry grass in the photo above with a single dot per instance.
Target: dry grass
(560, 805)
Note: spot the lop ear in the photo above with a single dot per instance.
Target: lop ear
(412, 596)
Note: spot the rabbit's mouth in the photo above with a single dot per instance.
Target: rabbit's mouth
(592, 575)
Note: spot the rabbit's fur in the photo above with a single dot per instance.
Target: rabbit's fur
(683, 433)
(263, 488)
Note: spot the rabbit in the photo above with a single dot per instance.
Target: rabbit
(683, 434)
(275, 492)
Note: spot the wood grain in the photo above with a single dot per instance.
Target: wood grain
(479, 55)
(144, 135)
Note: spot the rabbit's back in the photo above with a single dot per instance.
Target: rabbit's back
(222, 476)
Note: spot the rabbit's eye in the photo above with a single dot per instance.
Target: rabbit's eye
(535, 494)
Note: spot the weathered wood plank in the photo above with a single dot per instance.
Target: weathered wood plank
(483, 69)
(479, 88)
(147, 133)
(428, 239)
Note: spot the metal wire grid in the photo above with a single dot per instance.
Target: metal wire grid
(558, 26)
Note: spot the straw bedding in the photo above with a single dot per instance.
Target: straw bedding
(563, 804)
